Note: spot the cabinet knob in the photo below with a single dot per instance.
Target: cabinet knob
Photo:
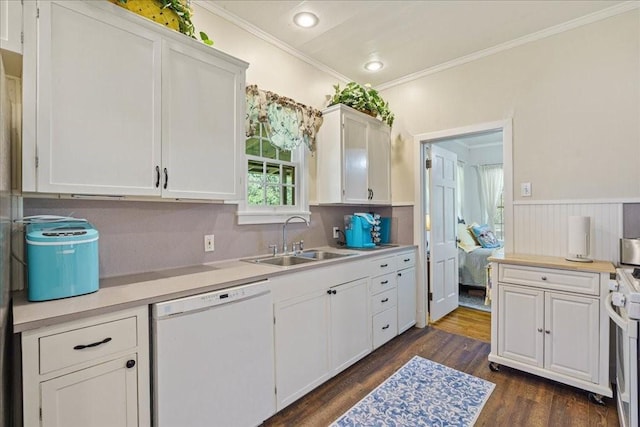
(539, 329)
(131, 363)
(544, 277)
(331, 291)
(399, 274)
(547, 331)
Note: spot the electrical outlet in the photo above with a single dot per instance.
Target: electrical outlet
(525, 189)
(336, 234)
(209, 245)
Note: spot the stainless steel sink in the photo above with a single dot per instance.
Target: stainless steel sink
(282, 261)
(311, 255)
(320, 255)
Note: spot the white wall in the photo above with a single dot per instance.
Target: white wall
(574, 98)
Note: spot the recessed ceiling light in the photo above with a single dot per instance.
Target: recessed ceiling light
(305, 19)
(373, 65)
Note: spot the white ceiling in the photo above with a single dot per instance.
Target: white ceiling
(408, 36)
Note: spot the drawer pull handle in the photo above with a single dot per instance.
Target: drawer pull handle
(539, 329)
(131, 363)
(166, 178)
(385, 327)
(384, 282)
(385, 300)
(547, 331)
(384, 265)
(407, 259)
(157, 176)
(544, 277)
(93, 344)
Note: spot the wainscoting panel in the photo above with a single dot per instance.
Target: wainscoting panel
(541, 229)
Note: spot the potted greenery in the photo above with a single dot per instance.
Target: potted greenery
(363, 98)
(175, 14)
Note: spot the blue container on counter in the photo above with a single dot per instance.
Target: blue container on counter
(62, 260)
(385, 230)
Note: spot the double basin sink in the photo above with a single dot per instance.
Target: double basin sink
(303, 257)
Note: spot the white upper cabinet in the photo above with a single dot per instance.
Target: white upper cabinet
(353, 158)
(11, 25)
(126, 107)
(202, 123)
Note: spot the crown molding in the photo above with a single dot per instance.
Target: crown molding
(548, 32)
(252, 29)
(566, 26)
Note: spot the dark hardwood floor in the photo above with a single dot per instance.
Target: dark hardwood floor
(519, 399)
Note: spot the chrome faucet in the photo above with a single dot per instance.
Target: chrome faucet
(284, 231)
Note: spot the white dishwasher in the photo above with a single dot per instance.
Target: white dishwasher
(213, 359)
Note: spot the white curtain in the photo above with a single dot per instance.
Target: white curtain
(460, 190)
(491, 183)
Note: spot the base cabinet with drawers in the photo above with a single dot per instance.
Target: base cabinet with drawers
(549, 319)
(91, 372)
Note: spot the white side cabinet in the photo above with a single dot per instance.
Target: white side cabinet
(11, 25)
(130, 108)
(549, 319)
(92, 372)
(361, 146)
(406, 284)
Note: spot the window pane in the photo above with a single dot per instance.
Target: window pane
(285, 156)
(273, 195)
(255, 170)
(255, 194)
(289, 196)
(269, 151)
(288, 175)
(253, 146)
(273, 174)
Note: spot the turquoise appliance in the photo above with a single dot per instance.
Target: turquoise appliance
(62, 260)
(358, 230)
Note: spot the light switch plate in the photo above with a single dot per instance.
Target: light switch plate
(525, 189)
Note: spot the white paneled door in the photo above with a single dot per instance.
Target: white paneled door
(443, 277)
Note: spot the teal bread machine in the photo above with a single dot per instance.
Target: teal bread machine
(62, 260)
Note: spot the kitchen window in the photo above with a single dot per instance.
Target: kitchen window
(275, 179)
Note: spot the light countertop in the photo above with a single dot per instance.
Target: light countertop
(553, 262)
(123, 292)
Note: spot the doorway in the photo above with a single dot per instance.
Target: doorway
(466, 156)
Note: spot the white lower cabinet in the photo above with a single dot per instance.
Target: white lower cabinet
(319, 329)
(406, 284)
(92, 372)
(553, 331)
(552, 322)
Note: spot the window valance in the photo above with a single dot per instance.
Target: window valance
(288, 122)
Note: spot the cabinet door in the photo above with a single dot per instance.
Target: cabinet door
(98, 102)
(103, 395)
(302, 346)
(379, 155)
(202, 122)
(355, 166)
(572, 335)
(11, 25)
(350, 324)
(406, 299)
(521, 324)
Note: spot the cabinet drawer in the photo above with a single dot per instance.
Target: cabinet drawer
(385, 326)
(383, 265)
(85, 344)
(383, 283)
(551, 278)
(406, 260)
(383, 301)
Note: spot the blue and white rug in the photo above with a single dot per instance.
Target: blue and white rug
(421, 393)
